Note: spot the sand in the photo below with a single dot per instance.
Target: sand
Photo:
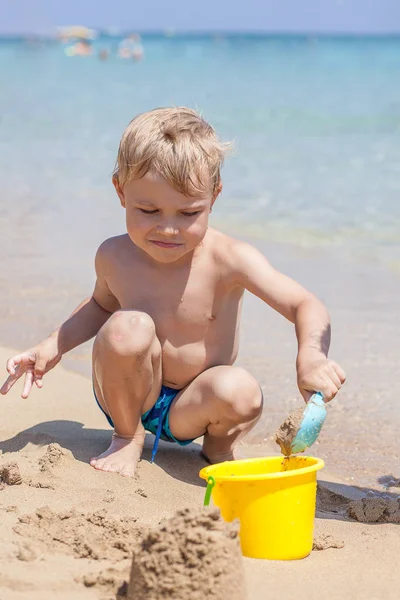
(288, 430)
(195, 554)
(375, 510)
(325, 541)
(81, 534)
(71, 531)
(10, 474)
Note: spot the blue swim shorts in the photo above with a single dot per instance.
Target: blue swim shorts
(156, 420)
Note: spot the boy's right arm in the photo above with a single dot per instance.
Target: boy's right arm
(83, 324)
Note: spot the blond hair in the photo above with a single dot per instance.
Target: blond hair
(178, 144)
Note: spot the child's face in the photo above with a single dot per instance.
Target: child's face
(162, 221)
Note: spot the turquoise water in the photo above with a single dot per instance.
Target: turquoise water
(316, 125)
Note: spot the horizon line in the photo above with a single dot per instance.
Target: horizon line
(171, 33)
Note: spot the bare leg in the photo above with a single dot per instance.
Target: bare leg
(223, 404)
(127, 380)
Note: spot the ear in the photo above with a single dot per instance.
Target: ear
(119, 190)
(217, 192)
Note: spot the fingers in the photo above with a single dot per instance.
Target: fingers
(39, 370)
(335, 378)
(28, 384)
(15, 374)
(13, 363)
(7, 385)
(306, 395)
(328, 389)
(29, 380)
(326, 377)
(29, 363)
(339, 372)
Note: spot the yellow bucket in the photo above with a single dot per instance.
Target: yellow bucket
(274, 499)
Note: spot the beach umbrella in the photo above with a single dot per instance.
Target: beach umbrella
(77, 31)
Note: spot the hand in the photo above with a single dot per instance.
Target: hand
(320, 375)
(34, 364)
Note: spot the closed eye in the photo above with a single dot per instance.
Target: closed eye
(154, 211)
(148, 212)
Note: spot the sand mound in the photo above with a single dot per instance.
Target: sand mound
(193, 555)
(82, 535)
(325, 541)
(287, 431)
(375, 510)
(10, 474)
(53, 456)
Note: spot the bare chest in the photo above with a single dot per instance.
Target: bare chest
(187, 306)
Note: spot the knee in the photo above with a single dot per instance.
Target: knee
(238, 394)
(127, 333)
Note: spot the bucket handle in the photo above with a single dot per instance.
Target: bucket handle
(210, 485)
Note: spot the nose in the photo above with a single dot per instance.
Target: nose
(168, 229)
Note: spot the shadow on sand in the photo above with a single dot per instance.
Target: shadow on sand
(184, 464)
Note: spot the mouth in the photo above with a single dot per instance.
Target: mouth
(166, 244)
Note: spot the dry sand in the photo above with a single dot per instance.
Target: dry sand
(70, 530)
(195, 554)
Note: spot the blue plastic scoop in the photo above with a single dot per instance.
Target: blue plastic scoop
(300, 430)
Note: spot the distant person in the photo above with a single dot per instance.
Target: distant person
(131, 47)
(137, 52)
(80, 48)
(104, 54)
(165, 310)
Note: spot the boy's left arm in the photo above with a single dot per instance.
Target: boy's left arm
(315, 372)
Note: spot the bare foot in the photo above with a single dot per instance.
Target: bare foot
(121, 457)
(216, 458)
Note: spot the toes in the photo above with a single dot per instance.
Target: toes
(109, 467)
(127, 473)
(101, 466)
(114, 468)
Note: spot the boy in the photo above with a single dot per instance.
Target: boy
(166, 306)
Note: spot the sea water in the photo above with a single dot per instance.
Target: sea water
(315, 123)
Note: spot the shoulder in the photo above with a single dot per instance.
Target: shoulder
(111, 249)
(234, 254)
(113, 244)
(220, 244)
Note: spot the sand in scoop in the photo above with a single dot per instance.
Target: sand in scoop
(287, 431)
(195, 555)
